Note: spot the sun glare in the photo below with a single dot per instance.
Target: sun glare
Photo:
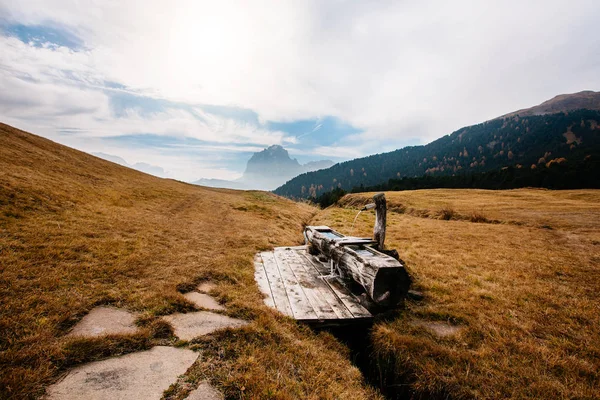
(206, 48)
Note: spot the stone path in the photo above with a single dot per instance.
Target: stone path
(191, 325)
(441, 329)
(143, 375)
(105, 321)
(206, 287)
(205, 392)
(203, 300)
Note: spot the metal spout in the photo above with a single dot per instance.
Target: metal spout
(368, 207)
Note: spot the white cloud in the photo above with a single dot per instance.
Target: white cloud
(40, 84)
(397, 70)
(328, 152)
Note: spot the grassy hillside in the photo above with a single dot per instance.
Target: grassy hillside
(518, 271)
(77, 231)
(521, 142)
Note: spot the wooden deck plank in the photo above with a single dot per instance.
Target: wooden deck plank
(342, 293)
(292, 282)
(260, 276)
(301, 306)
(309, 284)
(280, 298)
(357, 310)
(322, 268)
(322, 289)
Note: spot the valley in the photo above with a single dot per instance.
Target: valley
(509, 282)
(291, 200)
(77, 232)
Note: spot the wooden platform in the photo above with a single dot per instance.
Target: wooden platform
(293, 283)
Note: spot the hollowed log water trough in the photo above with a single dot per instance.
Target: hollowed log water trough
(334, 279)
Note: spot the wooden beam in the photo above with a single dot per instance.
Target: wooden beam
(384, 278)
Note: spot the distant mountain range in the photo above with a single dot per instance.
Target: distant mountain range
(266, 170)
(143, 167)
(565, 127)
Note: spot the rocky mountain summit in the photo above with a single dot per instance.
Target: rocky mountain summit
(268, 169)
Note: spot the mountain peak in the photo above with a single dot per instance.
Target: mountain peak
(587, 99)
(275, 158)
(276, 151)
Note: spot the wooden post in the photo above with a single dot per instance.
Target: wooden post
(380, 220)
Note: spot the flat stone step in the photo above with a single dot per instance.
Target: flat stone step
(440, 329)
(206, 287)
(205, 392)
(103, 320)
(191, 325)
(137, 376)
(203, 300)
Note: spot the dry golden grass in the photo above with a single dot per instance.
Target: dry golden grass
(77, 231)
(517, 270)
(525, 290)
(567, 210)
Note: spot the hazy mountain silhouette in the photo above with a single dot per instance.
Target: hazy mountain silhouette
(266, 170)
(143, 167)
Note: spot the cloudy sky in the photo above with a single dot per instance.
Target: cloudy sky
(196, 86)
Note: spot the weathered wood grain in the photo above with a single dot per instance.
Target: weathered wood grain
(280, 298)
(260, 276)
(341, 293)
(324, 301)
(301, 307)
(291, 279)
(380, 220)
(384, 278)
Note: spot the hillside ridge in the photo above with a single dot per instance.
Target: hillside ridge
(519, 141)
(586, 99)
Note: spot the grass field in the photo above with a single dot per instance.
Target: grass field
(77, 231)
(522, 282)
(518, 272)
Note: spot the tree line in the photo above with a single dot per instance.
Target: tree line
(470, 151)
(558, 173)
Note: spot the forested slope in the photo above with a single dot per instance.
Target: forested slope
(520, 142)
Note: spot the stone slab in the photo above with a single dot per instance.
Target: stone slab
(205, 392)
(136, 376)
(190, 325)
(103, 320)
(441, 329)
(203, 300)
(206, 287)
